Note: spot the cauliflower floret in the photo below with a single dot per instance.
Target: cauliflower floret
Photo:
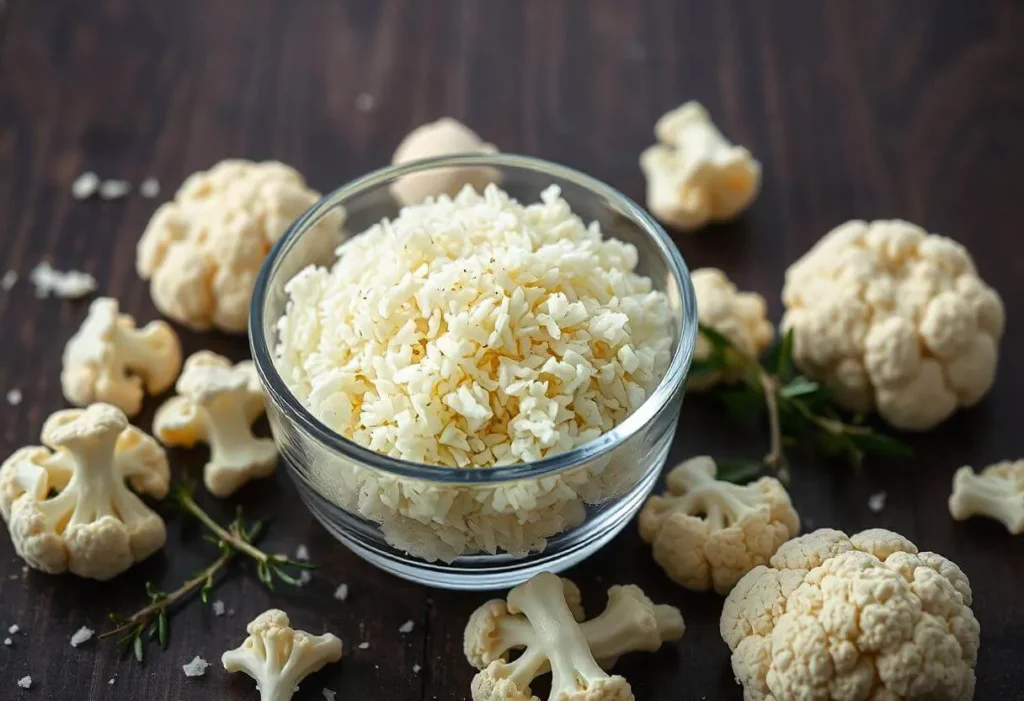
(707, 533)
(94, 525)
(742, 317)
(217, 404)
(542, 618)
(695, 175)
(109, 360)
(996, 492)
(278, 657)
(893, 319)
(866, 617)
(444, 137)
(202, 250)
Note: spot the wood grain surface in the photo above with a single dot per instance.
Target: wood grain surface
(863, 109)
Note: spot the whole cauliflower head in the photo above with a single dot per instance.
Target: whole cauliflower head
(706, 533)
(93, 525)
(893, 319)
(851, 618)
(201, 252)
(742, 317)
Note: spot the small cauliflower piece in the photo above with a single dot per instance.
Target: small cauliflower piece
(996, 492)
(894, 320)
(742, 317)
(862, 617)
(707, 533)
(695, 175)
(94, 525)
(278, 657)
(444, 137)
(201, 252)
(109, 360)
(217, 404)
(542, 617)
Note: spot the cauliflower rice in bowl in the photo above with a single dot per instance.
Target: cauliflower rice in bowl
(477, 387)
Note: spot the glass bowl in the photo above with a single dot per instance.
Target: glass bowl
(487, 528)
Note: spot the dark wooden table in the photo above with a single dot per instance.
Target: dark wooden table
(856, 109)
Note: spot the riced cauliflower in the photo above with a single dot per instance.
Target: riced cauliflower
(862, 617)
(894, 319)
(707, 533)
(742, 317)
(996, 492)
(201, 251)
(93, 525)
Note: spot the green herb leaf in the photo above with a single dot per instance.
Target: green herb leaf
(162, 626)
(799, 386)
(137, 645)
(739, 471)
(881, 444)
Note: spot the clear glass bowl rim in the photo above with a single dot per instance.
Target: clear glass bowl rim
(295, 412)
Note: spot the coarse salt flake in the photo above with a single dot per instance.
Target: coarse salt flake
(14, 628)
(114, 189)
(876, 502)
(363, 646)
(82, 635)
(8, 280)
(68, 285)
(341, 593)
(85, 185)
(149, 188)
(329, 694)
(25, 682)
(8, 642)
(14, 397)
(196, 668)
(218, 608)
(416, 669)
(302, 553)
(406, 627)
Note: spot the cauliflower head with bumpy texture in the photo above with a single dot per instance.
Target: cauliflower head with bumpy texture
(742, 317)
(706, 533)
(201, 252)
(695, 175)
(217, 403)
(893, 319)
(109, 360)
(444, 137)
(278, 657)
(997, 492)
(542, 618)
(852, 618)
(94, 525)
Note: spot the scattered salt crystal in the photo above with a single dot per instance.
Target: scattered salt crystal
(218, 608)
(8, 642)
(13, 629)
(876, 502)
(363, 646)
(364, 102)
(8, 280)
(302, 553)
(82, 635)
(329, 694)
(341, 593)
(304, 578)
(149, 188)
(406, 627)
(69, 285)
(14, 397)
(195, 668)
(416, 669)
(25, 682)
(85, 185)
(114, 189)
(111, 681)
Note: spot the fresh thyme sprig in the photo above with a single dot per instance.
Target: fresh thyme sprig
(799, 410)
(238, 537)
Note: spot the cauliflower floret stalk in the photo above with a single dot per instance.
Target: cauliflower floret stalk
(217, 404)
(799, 410)
(109, 360)
(541, 618)
(278, 657)
(997, 493)
(861, 617)
(708, 533)
(94, 526)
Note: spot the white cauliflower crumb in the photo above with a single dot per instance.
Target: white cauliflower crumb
(8, 642)
(85, 185)
(25, 682)
(363, 646)
(876, 502)
(196, 668)
(13, 629)
(14, 397)
(304, 578)
(66, 285)
(111, 681)
(406, 627)
(114, 189)
(364, 102)
(218, 608)
(329, 694)
(149, 188)
(341, 593)
(302, 553)
(416, 669)
(8, 280)
(82, 635)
